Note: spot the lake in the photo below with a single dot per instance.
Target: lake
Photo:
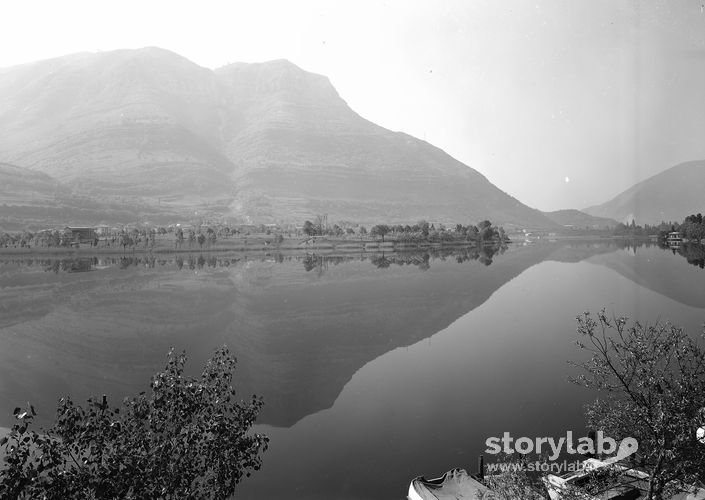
(374, 368)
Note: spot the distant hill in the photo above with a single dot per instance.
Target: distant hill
(264, 142)
(21, 185)
(30, 199)
(575, 219)
(668, 196)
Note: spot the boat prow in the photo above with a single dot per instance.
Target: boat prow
(455, 484)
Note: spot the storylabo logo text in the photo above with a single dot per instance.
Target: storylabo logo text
(584, 445)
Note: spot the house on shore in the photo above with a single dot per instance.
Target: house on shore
(102, 230)
(82, 234)
(674, 238)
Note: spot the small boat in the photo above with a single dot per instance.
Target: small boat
(455, 484)
(625, 483)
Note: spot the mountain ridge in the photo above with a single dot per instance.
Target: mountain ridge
(271, 141)
(668, 196)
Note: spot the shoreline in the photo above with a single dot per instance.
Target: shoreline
(264, 245)
(293, 246)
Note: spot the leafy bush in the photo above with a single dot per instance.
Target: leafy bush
(652, 379)
(189, 438)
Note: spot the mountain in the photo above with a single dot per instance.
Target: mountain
(575, 219)
(260, 142)
(668, 196)
(119, 123)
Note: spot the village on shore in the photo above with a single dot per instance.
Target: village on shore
(206, 236)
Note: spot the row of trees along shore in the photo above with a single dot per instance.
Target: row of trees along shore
(421, 231)
(205, 236)
(692, 228)
(126, 237)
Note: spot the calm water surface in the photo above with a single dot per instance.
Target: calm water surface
(373, 370)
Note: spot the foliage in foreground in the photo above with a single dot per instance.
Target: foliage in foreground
(189, 438)
(653, 379)
(514, 482)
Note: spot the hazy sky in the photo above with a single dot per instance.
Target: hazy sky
(560, 103)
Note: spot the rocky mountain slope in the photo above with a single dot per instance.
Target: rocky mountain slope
(262, 142)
